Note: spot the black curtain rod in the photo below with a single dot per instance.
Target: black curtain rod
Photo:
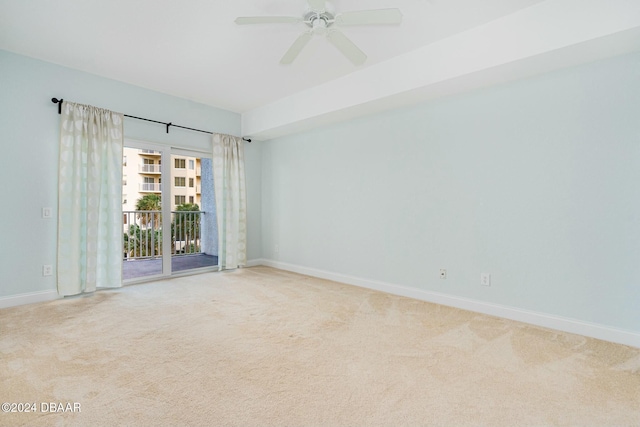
(59, 102)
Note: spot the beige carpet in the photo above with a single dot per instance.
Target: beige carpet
(263, 347)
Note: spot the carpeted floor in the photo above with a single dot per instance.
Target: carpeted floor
(263, 347)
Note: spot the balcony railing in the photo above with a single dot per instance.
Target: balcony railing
(186, 232)
(154, 169)
(142, 234)
(144, 231)
(150, 152)
(150, 188)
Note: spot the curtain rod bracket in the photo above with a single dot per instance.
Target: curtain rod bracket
(168, 124)
(59, 102)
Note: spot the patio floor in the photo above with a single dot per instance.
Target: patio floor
(133, 269)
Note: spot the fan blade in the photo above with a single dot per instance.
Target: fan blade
(247, 20)
(296, 48)
(347, 47)
(370, 17)
(316, 5)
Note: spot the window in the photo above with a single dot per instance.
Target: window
(191, 199)
(148, 180)
(180, 200)
(191, 182)
(180, 181)
(192, 164)
(124, 219)
(181, 164)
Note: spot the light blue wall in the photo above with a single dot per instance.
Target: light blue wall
(28, 167)
(535, 182)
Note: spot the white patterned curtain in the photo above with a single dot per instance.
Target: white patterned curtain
(89, 199)
(231, 200)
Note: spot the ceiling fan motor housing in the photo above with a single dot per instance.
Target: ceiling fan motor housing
(319, 22)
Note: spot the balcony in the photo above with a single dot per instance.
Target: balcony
(143, 245)
(198, 189)
(151, 153)
(150, 169)
(135, 269)
(150, 188)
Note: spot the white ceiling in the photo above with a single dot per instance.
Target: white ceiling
(193, 49)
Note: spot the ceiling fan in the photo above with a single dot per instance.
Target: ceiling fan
(322, 20)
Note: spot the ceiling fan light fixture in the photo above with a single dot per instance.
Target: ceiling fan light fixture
(319, 26)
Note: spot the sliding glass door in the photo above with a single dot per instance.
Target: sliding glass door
(193, 216)
(168, 212)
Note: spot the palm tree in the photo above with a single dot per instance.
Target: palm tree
(186, 227)
(144, 239)
(150, 203)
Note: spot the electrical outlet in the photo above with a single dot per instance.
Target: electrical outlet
(47, 270)
(443, 273)
(485, 279)
(46, 213)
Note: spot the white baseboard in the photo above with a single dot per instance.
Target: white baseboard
(28, 298)
(573, 326)
(256, 262)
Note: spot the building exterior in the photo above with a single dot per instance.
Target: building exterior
(142, 174)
